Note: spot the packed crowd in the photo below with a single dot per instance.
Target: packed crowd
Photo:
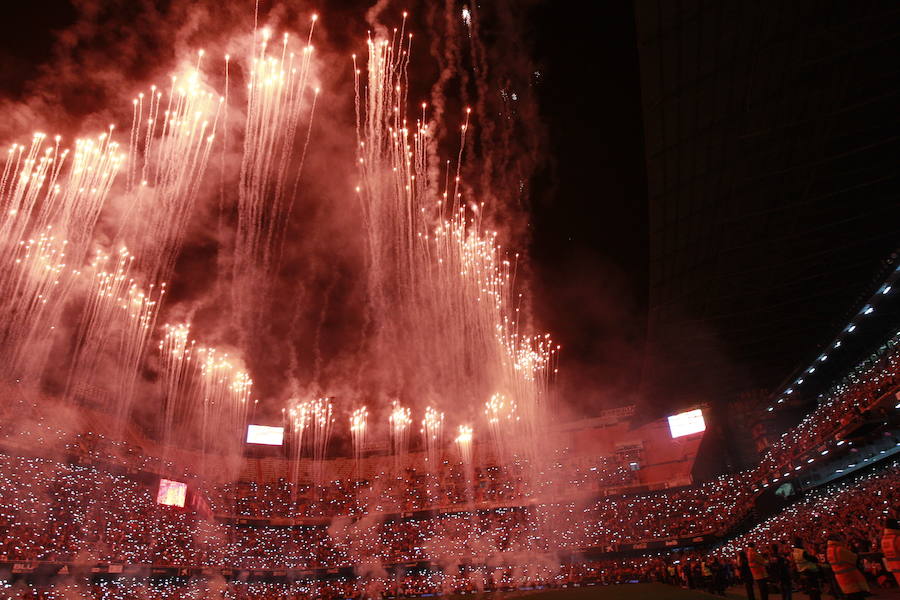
(831, 541)
(26, 424)
(852, 398)
(375, 585)
(54, 511)
(853, 511)
(452, 486)
(64, 511)
(855, 508)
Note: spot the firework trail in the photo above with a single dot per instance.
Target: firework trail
(358, 426)
(503, 422)
(443, 293)
(224, 391)
(433, 436)
(310, 423)
(110, 282)
(178, 375)
(464, 443)
(30, 294)
(280, 95)
(50, 200)
(140, 309)
(171, 139)
(399, 421)
(42, 187)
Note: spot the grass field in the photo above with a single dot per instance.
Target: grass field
(641, 591)
(637, 591)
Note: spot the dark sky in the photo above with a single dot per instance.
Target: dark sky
(587, 233)
(589, 220)
(750, 256)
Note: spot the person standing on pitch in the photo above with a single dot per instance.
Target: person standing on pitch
(890, 547)
(758, 569)
(808, 567)
(843, 564)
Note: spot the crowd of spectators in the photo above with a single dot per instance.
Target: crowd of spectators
(28, 423)
(851, 399)
(855, 508)
(451, 486)
(411, 583)
(854, 511)
(53, 511)
(76, 509)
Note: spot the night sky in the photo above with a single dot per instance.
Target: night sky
(586, 224)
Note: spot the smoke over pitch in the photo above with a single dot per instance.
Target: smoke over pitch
(222, 204)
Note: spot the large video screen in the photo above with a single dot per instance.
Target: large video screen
(171, 493)
(687, 423)
(263, 434)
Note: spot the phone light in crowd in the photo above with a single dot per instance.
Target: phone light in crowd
(171, 493)
(265, 435)
(687, 423)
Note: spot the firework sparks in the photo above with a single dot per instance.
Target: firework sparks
(171, 140)
(399, 421)
(358, 425)
(464, 443)
(310, 423)
(280, 95)
(432, 435)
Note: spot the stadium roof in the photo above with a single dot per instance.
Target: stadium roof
(771, 142)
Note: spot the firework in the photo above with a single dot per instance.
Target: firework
(41, 188)
(358, 424)
(503, 421)
(171, 139)
(399, 421)
(50, 199)
(464, 443)
(433, 265)
(117, 322)
(279, 97)
(432, 435)
(224, 393)
(31, 297)
(176, 351)
(310, 423)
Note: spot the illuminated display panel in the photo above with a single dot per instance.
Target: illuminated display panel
(262, 434)
(171, 493)
(687, 423)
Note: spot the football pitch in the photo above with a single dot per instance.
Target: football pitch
(637, 591)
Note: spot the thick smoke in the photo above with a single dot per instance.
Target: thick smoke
(308, 333)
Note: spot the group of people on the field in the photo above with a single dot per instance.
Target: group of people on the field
(841, 570)
(836, 569)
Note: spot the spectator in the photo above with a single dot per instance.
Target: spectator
(843, 564)
(890, 547)
(807, 567)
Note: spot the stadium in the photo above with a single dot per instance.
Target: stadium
(353, 300)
